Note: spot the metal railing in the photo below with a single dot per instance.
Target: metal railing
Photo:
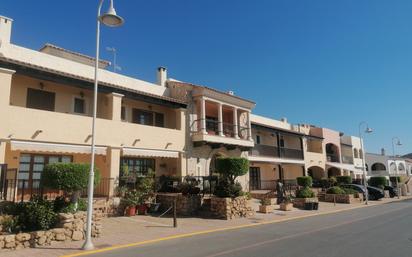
(291, 153)
(332, 158)
(212, 128)
(173, 184)
(264, 150)
(347, 159)
(23, 189)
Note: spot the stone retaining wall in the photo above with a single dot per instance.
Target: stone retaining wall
(71, 227)
(230, 208)
(185, 205)
(340, 198)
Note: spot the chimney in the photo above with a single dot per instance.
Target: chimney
(231, 92)
(161, 76)
(383, 153)
(284, 120)
(5, 30)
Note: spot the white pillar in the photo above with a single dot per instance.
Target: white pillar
(235, 123)
(220, 118)
(249, 125)
(202, 115)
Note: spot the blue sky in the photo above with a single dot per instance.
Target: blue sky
(323, 62)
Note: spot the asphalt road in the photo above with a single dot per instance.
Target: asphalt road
(378, 231)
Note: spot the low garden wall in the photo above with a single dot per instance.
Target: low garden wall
(340, 198)
(71, 227)
(300, 202)
(185, 204)
(230, 208)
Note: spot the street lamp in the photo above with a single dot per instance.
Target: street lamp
(111, 19)
(398, 143)
(368, 130)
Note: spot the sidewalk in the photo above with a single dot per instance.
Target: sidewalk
(126, 230)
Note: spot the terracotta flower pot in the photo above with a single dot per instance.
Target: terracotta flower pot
(130, 211)
(142, 209)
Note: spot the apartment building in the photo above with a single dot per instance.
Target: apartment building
(385, 165)
(46, 109)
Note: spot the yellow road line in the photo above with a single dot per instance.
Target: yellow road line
(115, 247)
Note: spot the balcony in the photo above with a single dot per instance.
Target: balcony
(265, 150)
(347, 159)
(290, 153)
(57, 127)
(332, 158)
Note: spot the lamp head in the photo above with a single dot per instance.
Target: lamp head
(368, 130)
(110, 18)
(398, 143)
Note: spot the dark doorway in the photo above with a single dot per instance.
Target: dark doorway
(254, 178)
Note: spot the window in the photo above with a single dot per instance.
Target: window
(31, 167)
(148, 118)
(79, 105)
(142, 117)
(355, 153)
(138, 166)
(123, 113)
(40, 99)
(257, 139)
(282, 142)
(159, 120)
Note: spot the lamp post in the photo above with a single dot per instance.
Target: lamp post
(398, 143)
(368, 130)
(111, 19)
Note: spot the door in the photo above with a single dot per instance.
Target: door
(3, 171)
(254, 178)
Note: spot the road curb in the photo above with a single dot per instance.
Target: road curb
(203, 232)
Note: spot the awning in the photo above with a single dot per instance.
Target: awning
(344, 166)
(54, 148)
(275, 160)
(149, 153)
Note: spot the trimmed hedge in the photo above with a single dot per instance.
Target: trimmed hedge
(380, 182)
(336, 191)
(70, 177)
(232, 167)
(344, 180)
(305, 181)
(395, 179)
(305, 193)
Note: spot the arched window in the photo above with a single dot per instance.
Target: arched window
(378, 166)
(360, 153)
(401, 167)
(392, 167)
(355, 153)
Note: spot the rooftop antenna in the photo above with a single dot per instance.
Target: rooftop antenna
(114, 51)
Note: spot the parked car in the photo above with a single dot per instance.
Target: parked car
(392, 191)
(374, 193)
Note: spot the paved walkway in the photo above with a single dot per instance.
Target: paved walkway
(126, 230)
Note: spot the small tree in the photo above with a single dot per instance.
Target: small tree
(69, 177)
(380, 182)
(232, 167)
(305, 181)
(344, 180)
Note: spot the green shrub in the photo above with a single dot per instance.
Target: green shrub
(226, 189)
(350, 191)
(395, 179)
(9, 224)
(379, 182)
(305, 181)
(82, 205)
(265, 202)
(305, 193)
(232, 167)
(70, 177)
(131, 198)
(37, 214)
(344, 180)
(336, 191)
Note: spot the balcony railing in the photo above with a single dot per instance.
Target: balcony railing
(291, 153)
(347, 159)
(332, 158)
(265, 150)
(212, 128)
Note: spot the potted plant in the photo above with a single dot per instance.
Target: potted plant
(129, 201)
(287, 204)
(265, 206)
(145, 186)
